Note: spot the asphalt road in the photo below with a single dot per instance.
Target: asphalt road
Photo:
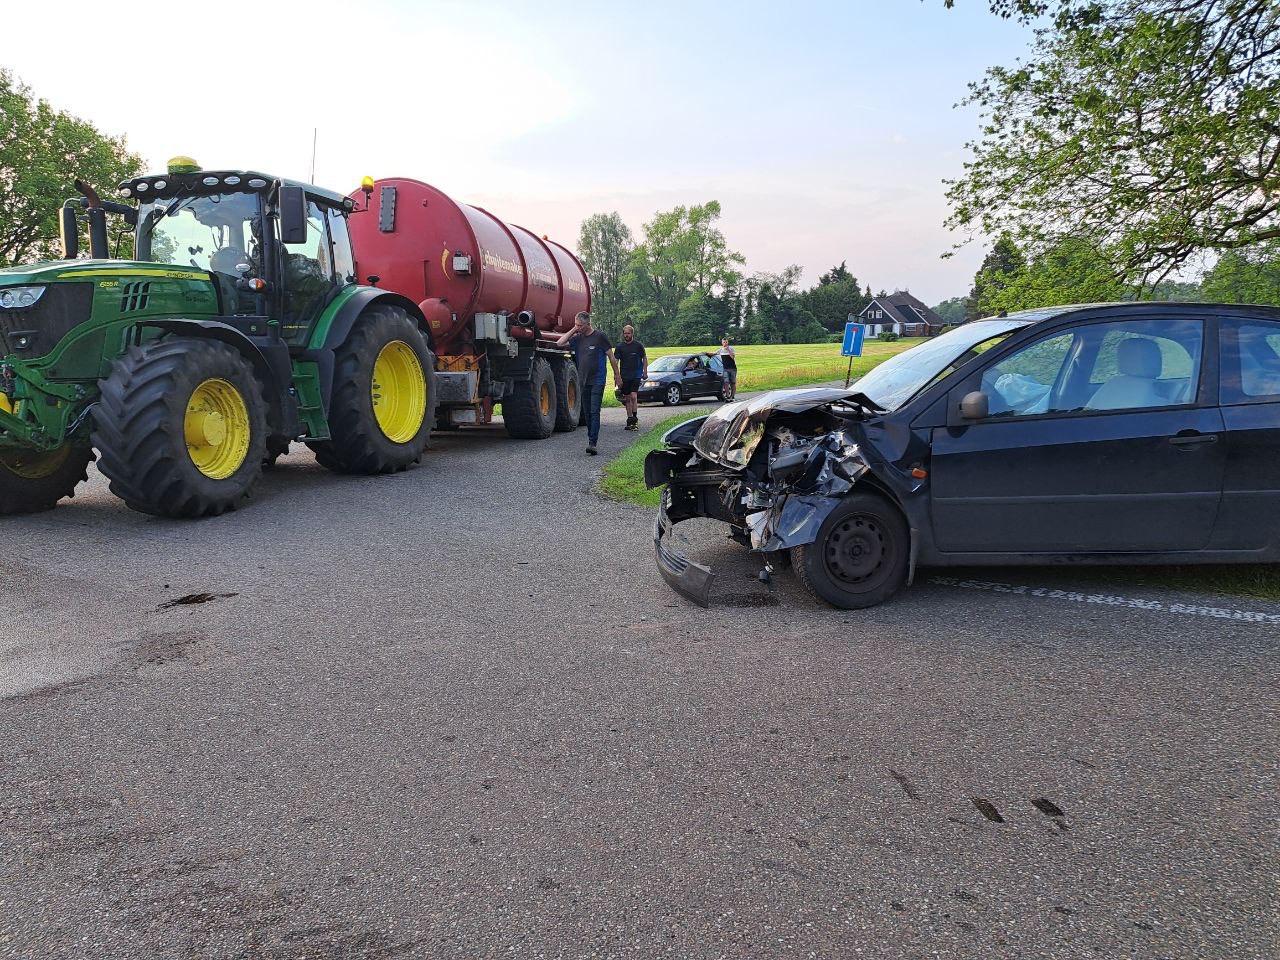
(456, 713)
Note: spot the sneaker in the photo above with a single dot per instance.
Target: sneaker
(591, 450)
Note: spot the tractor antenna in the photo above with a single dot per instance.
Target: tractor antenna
(314, 132)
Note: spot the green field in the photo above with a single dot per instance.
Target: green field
(789, 365)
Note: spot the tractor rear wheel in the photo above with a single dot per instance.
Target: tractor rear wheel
(35, 480)
(181, 427)
(530, 414)
(383, 404)
(568, 397)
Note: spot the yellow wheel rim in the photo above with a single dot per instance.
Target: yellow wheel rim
(571, 394)
(34, 464)
(399, 392)
(217, 429)
(544, 399)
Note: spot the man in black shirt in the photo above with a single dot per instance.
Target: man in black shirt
(635, 367)
(592, 349)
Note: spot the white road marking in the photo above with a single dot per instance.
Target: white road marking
(1110, 600)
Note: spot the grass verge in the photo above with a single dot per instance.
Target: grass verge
(623, 477)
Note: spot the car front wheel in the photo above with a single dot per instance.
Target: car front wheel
(672, 396)
(859, 558)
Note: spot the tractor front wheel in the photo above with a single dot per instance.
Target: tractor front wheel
(35, 480)
(383, 404)
(181, 427)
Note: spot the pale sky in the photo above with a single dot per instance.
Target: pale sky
(824, 129)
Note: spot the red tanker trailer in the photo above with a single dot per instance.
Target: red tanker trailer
(490, 293)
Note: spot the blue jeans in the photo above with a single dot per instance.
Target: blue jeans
(591, 404)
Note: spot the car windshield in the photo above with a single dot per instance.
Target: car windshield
(900, 378)
(214, 233)
(668, 364)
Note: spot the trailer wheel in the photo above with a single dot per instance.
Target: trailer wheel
(530, 414)
(383, 402)
(568, 397)
(181, 427)
(35, 480)
(859, 558)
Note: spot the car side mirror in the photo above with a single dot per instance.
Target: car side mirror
(293, 214)
(975, 406)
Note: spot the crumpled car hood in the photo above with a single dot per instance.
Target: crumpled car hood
(730, 434)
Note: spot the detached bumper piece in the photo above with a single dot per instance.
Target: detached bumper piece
(691, 580)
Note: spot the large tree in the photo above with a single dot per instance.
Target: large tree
(42, 151)
(1001, 265)
(1245, 276)
(605, 246)
(836, 296)
(682, 251)
(1148, 129)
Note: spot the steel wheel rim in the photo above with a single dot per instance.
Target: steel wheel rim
(216, 427)
(571, 394)
(399, 392)
(856, 550)
(544, 400)
(34, 464)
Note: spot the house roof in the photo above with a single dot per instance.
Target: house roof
(902, 307)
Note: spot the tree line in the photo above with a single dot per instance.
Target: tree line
(680, 282)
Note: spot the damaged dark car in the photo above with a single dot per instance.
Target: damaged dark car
(1100, 434)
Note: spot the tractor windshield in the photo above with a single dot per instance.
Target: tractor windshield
(207, 232)
(220, 233)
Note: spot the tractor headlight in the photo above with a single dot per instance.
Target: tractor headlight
(19, 298)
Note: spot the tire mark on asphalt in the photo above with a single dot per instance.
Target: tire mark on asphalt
(988, 810)
(907, 786)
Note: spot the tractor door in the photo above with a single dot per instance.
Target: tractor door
(312, 274)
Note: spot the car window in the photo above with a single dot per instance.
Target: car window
(1250, 361)
(1022, 383)
(1147, 364)
(1124, 365)
(716, 365)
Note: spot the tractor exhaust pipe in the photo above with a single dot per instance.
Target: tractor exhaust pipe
(97, 217)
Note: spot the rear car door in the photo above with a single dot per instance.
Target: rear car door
(1102, 437)
(1250, 397)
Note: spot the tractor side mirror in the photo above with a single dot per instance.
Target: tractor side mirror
(293, 214)
(975, 406)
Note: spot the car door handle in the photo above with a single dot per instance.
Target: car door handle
(1192, 438)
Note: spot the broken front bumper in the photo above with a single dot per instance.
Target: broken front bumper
(691, 580)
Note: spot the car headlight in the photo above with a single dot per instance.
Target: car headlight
(650, 383)
(19, 298)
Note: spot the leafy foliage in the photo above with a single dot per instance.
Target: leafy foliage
(1245, 276)
(1147, 129)
(605, 246)
(42, 150)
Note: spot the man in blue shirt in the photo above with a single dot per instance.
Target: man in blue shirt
(592, 349)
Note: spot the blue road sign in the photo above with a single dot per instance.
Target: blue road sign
(853, 334)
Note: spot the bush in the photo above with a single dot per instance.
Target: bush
(888, 337)
(836, 338)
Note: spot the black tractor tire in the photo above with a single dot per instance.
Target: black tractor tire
(139, 427)
(568, 397)
(530, 413)
(860, 556)
(672, 395)
(357, 442)
(35, 480)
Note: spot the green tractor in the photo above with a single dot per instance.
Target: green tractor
(238, 327)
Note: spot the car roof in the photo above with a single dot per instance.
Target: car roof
(1138, 310)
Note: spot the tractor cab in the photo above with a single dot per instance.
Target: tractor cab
(278, 251)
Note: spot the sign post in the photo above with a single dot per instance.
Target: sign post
(852, 346)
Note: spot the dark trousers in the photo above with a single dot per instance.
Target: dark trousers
(591, 405)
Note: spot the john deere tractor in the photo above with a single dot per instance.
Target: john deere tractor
(238, 327)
